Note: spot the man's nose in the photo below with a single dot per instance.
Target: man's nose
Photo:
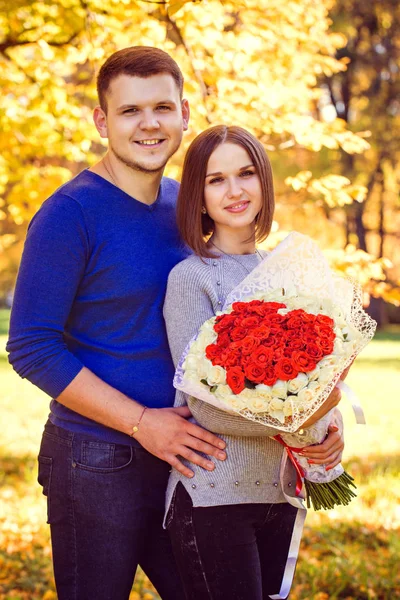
(149, 121)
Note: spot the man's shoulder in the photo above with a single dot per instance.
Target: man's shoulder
(170, 189)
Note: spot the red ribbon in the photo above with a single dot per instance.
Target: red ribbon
(299, 469)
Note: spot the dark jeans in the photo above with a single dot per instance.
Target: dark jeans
(230, 552)
(105, 509)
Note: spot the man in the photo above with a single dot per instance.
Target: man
(87, 328)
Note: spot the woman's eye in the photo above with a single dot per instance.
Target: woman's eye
(216, 180)
(247, 173)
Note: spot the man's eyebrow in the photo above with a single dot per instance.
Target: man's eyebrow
(220, 173)
(125, 106)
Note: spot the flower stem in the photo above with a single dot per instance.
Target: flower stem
(327, 495)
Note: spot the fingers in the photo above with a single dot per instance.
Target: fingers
(196, 459)
(333, 442)
(182, 411)
(206, 436)
(179, 466)
(195, 444)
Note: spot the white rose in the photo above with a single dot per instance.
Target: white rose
(216, 375)
(258, 404)
(315, 387)
(338, 317)
(297, 384)
(328, 361)
(326, 374)
(288, 409)
(191, 363)
(338, 347)
(305, 395)
(279, 389)
(275, 409)
(312, 375)
(264, 391)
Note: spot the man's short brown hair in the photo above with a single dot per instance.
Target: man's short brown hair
(195, 226)
(137, 61)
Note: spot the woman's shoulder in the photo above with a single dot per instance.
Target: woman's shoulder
(191, 268)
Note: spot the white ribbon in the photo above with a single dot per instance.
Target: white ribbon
(293, 552)
(357, 408)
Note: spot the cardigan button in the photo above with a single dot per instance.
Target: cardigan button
(257, 483)
(215, 264)
(194, 486)
(290, 484)
(275, 484)
(236, 483)
(212, 485)
(218, 283)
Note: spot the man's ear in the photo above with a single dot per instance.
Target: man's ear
(100, 120)
(185, 114)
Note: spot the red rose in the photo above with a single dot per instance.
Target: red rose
(223, 339)
(324, 320)
(250, 322)
(270, 375)
(230, 357)
(286, 369)
(235, 379)
(254, 372)
(324, 331)
(262, 356)
(260, 332)
(239, 306)
(303, 362)
(238, 333)
(248, 344)
(212, 351)
(223, 323)
(294, 322)
(325, 345)
(274, 319)
(270, 342)
(314, 351)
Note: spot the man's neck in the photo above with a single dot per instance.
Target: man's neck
(143, 187)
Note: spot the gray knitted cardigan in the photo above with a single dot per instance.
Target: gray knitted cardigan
(196, 290)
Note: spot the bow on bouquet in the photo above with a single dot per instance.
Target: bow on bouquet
(276, 351)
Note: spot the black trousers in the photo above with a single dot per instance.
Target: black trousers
(230, 552)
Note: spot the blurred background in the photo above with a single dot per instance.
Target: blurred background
(318, 82)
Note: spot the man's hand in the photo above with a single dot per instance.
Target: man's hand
(329, 453)
(167, 434)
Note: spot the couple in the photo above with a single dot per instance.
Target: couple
(87, 327)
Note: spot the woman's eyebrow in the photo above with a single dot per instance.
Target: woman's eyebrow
(220, 173)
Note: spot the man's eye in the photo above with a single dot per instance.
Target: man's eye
(130, 110)
(163, 107)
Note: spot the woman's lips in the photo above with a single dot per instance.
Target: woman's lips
(238, 207)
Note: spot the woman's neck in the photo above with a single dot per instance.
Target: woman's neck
(233, 242)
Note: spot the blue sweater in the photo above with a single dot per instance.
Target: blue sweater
(90, 292)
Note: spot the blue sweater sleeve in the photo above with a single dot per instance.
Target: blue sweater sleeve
(53, 263)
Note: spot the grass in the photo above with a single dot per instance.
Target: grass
(350, 553)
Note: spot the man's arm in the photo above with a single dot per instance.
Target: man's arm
(164, 432)
(52, 267)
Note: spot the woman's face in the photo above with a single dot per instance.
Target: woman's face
(232, 190)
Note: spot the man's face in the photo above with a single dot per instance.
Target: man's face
(145, 120)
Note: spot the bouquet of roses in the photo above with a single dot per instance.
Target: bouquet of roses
(276, 351)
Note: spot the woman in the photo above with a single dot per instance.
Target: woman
(230, 527)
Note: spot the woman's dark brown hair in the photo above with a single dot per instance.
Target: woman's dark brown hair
(195, 226)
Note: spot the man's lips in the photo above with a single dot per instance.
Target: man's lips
(150, 143)
(238, 207)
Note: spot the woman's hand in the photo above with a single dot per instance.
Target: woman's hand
(329, 453)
